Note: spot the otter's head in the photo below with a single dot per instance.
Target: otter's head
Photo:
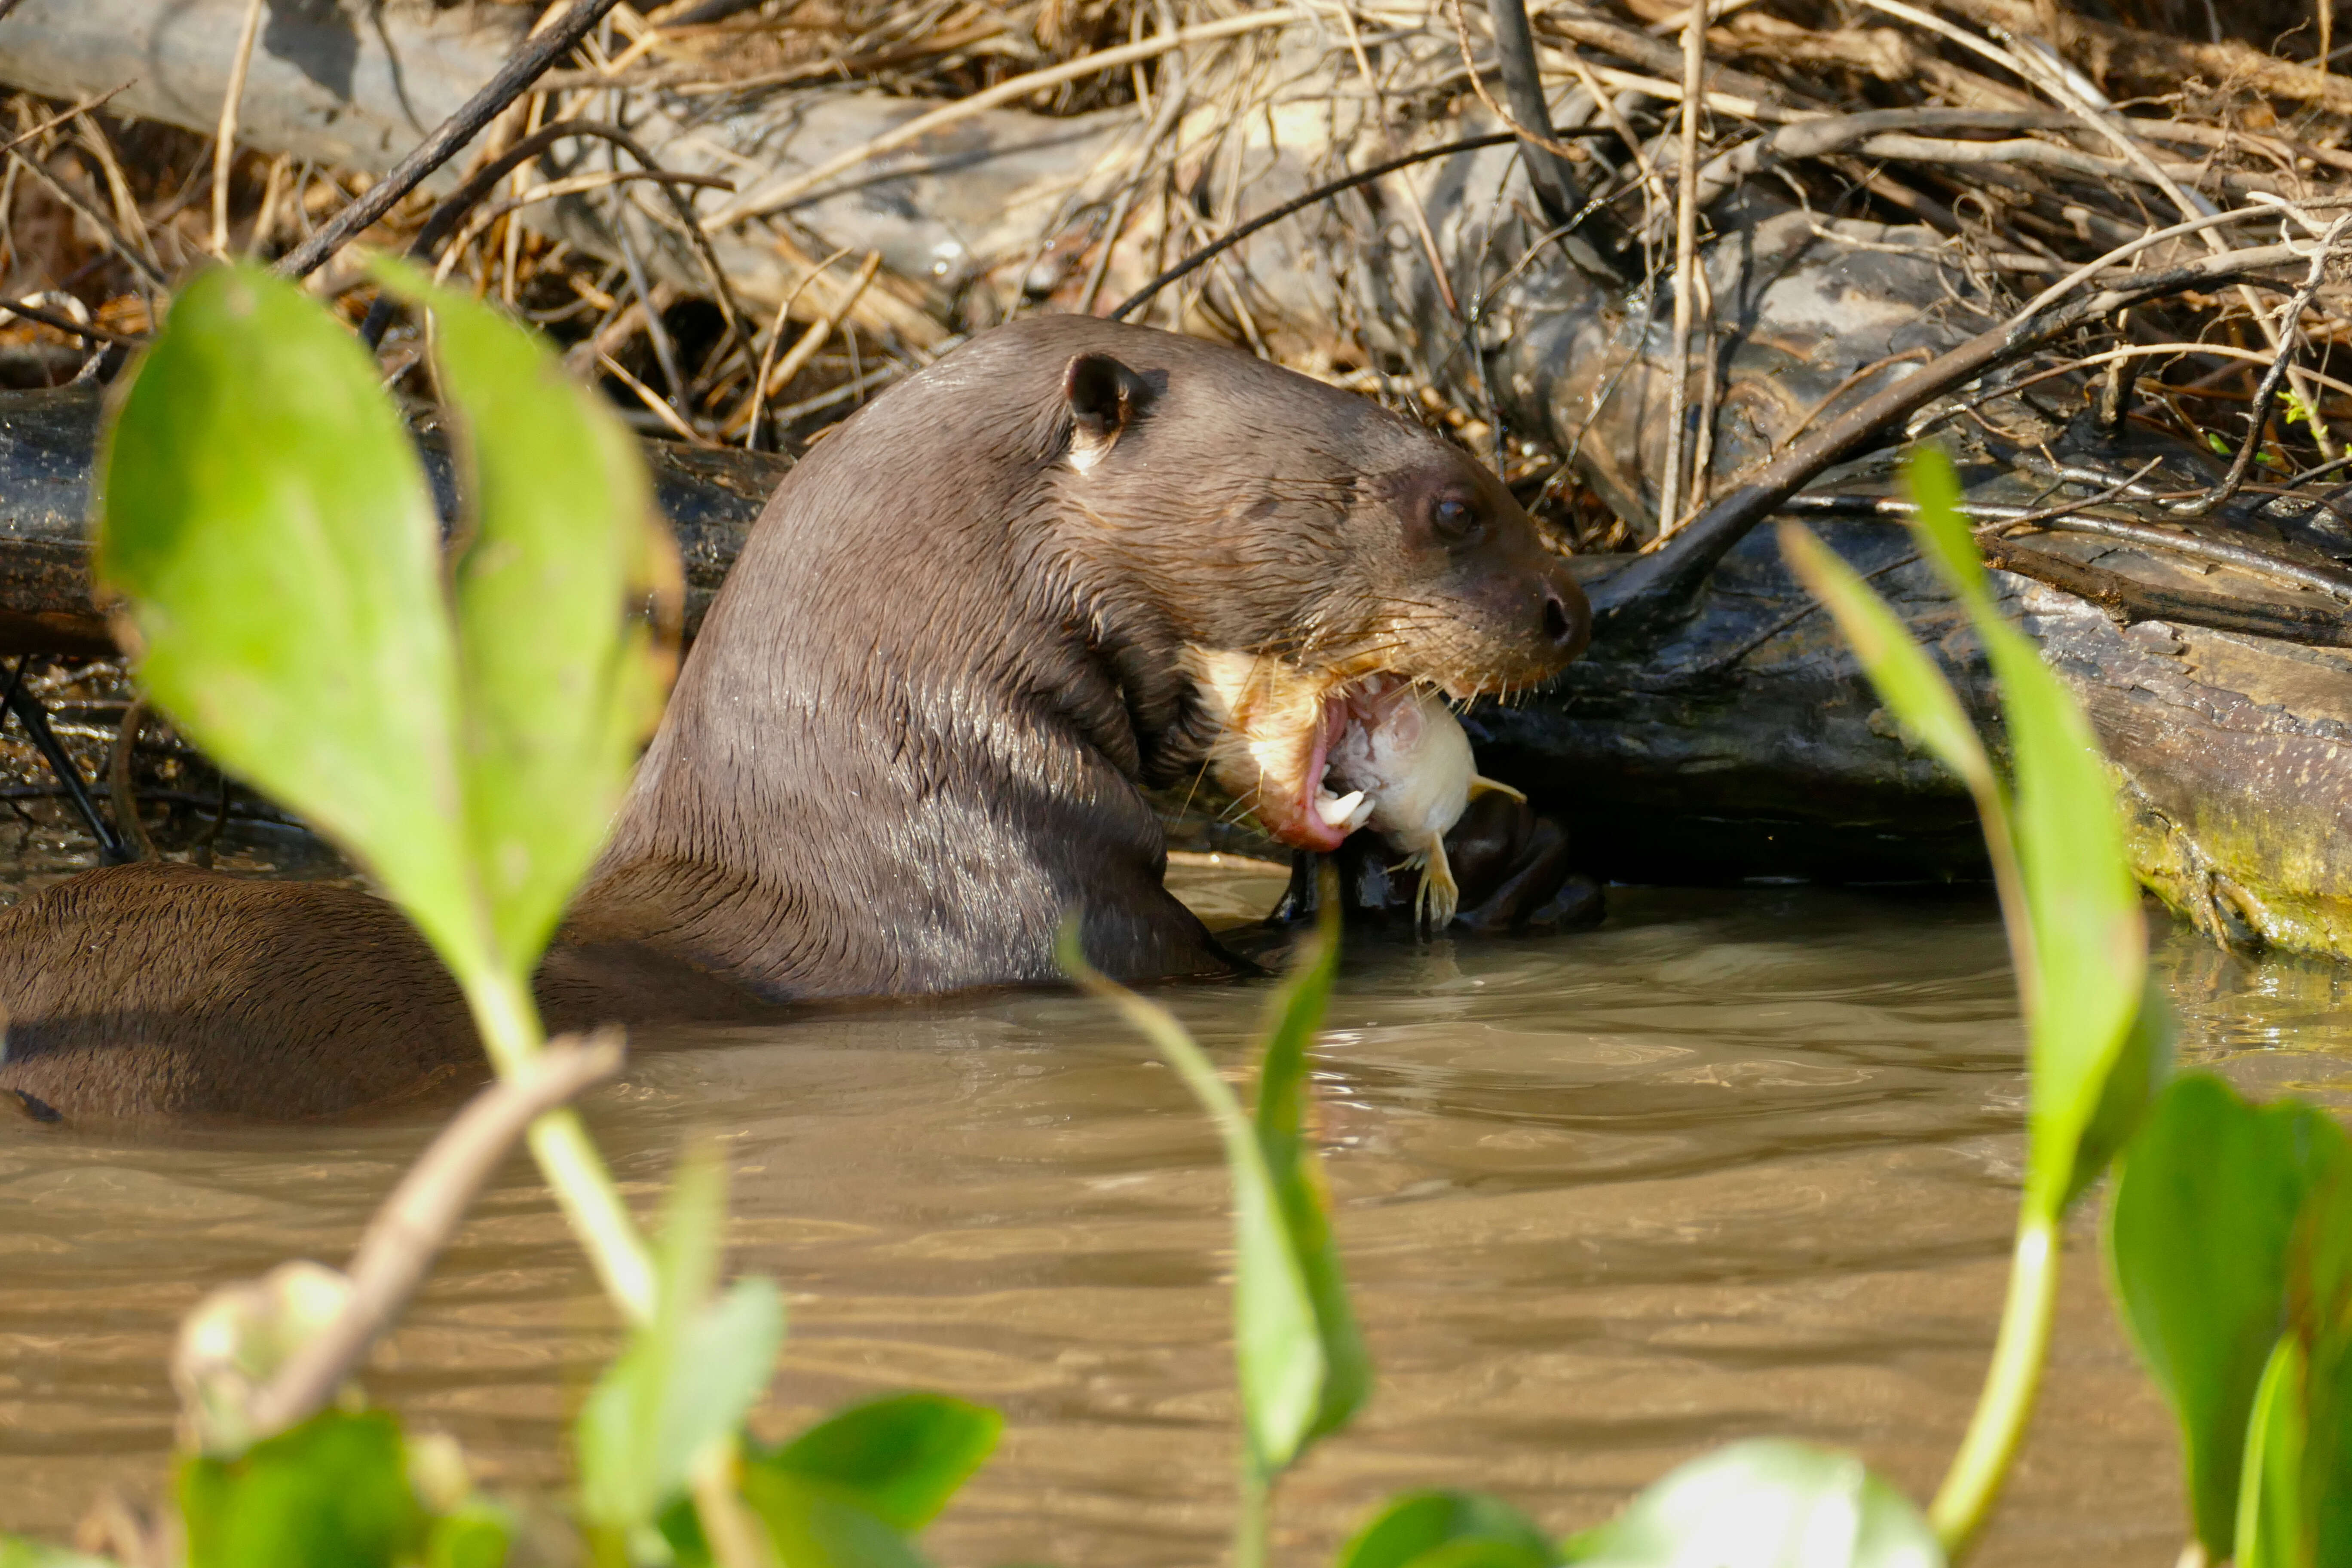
(1292, 546)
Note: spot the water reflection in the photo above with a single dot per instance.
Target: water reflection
(1736, 1162)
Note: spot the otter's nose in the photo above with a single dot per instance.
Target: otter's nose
(1556, 622)
(1566, 617)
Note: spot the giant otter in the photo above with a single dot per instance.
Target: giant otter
(914, 733)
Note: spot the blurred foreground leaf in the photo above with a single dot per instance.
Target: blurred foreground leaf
(564, 568)
(2088, 940)
(1764, 1503)
(900, 1457)
(815, 1525)
(334, 1489)
(2295, 1497)
(267, 531)
(1448, 1530)
(811, 1524)
(268, 527)
(2200, 1229)
(2057, 849)
(267, 522)
(2271, 1526)
(1302, 1365)
(474, 1537)
(1301, 1199)
(685, 1380)
(2075, 932)
(19, 1553)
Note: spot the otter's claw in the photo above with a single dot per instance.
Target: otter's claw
(1440, 897)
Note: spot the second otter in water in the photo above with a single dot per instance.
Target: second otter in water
(913, 735)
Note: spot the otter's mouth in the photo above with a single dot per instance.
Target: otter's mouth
(1277, 729)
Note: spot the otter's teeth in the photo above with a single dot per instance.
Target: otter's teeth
(1348, 811)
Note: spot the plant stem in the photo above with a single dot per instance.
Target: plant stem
(1974, 1481)
(512, 1034)
(1252, 1520)
(734, 1534)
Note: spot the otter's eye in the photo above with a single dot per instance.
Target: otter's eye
(1454, 518)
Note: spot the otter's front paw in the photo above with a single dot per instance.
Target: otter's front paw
(1509, 862)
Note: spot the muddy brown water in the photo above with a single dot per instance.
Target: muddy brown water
(1736, 1162)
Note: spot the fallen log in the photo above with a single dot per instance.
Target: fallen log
(48, 442)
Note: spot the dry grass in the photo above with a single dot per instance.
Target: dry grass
(93, 211)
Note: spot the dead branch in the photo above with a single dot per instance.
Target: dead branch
(1633, 599)
(417, 1221)
(2129, 601)
(527, 64)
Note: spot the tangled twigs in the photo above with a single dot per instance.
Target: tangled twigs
(462, 200)
(1654, 587)
(85, 329)
(120, 788)
(1564, 203)
(1687, 265)
(2329, 579)
(1323, 192)
(95, 100)
(116, 240)
(772, 379)
(1837, 132)
(792, 188)
(524, 66)
(2290, 338)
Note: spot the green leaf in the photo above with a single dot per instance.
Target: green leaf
(901, 1458)
(1448, 1530)
(17, 1552)
(2198, 1235)
(812, 1524)
(561, 543)
(2319, 1318)
(333, 1489)
(2272, 1529)
(266, 524)
(475, 1536)
(2140, 1072)
(815, 1525)
(1302, 1366)
(1283, 1100)
(1765, 1503)
(2087, 938)
(686, 1378)
(266, 520)
(2294, 1507)
(1479, 1554)
(1906, 679)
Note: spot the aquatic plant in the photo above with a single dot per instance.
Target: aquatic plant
(2229, 1231)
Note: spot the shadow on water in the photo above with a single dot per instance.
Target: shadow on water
(1735, 1163)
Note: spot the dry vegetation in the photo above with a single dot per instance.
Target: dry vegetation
(2028, 166)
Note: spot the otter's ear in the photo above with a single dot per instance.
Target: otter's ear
(1104, 396)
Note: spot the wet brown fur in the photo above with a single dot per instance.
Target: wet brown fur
(912, 736)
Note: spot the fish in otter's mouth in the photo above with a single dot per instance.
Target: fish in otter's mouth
(1280, 729)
